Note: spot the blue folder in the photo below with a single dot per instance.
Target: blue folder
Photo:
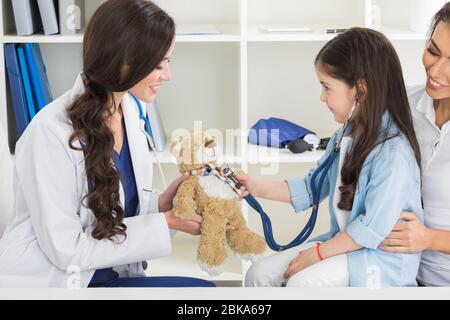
(27, 83)
(17, 88)
(38, 75)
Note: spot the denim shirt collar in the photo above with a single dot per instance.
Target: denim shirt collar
(387, 123)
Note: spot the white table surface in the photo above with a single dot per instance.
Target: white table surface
(225, 294)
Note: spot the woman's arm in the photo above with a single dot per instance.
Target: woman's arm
(340, 244)
(411, 236)
(192, 225)
(440, 241)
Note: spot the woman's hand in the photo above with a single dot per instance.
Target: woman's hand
(410, 236)
(165, 200)
(249, 185)
(191, 225)
(304, 260)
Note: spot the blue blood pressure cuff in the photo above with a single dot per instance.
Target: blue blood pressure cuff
(276, 133)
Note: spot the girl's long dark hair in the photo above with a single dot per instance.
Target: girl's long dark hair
(365, 59)
(124, 42)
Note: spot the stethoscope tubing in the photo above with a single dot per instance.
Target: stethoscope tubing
(316, 190)
(148, 134)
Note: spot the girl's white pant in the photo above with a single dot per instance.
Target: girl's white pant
(268, 272)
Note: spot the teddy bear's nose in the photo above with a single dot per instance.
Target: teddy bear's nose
(210, 143)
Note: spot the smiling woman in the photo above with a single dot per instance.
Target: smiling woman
(90, 218)
(436, 60)
(430, 107)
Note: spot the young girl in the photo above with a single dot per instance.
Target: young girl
(375, 176)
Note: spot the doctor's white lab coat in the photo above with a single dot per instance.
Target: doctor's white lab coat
(48, 241)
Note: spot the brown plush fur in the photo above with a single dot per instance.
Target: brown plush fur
(217, 212)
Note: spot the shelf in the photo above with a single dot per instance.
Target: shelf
(252, 37)
(404, 19)
(316, 32)
(261, 154)
(41, 38)
(288, 37)
(255, 35)
(317, 15)
(207, 33)
(404, 35)
(208, 38)
(188, 33)
(183, 262)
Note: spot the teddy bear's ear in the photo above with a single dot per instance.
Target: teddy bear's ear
(175, 148)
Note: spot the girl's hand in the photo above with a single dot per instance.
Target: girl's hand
(165, 200)
(410, 236)
(304, 260)
(249, 185)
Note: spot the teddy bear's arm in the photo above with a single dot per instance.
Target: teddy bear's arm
(184, 205)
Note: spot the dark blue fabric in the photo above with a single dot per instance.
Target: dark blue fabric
(124, 166)
(167, 282)
(276, 133)
(102, 277)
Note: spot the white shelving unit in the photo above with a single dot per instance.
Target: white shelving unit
(231, 79)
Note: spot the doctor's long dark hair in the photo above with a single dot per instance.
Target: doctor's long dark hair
(124, 42)
(365, 59)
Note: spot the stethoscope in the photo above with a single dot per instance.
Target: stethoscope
(146, 129)
(316, 188)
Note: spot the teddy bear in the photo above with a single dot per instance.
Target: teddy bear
(206, 192)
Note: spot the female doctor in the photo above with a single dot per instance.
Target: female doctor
(84, 214)
(430, 107)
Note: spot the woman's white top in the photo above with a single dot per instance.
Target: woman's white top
(435, 149)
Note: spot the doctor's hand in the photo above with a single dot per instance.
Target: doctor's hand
(165, 200)
(409, 236)
(191, 225)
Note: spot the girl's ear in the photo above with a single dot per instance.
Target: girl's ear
(361, 90)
